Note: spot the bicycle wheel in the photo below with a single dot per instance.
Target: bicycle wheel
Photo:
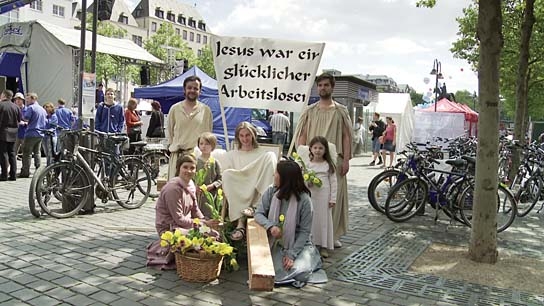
(379, 187)
(405, 199)
(62, 189)
(506, 207)
(527, 195)
(157, 161)
(131, 185)
(33, 205)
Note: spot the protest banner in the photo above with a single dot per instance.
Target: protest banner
(265, 73)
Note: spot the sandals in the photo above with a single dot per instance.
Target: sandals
(248, 212)
(238, 234)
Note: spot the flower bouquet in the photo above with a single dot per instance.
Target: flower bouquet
(200, 175)
(214, 203)
(198, 255)
(309, 175)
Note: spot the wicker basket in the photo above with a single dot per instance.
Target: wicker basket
(198, 267)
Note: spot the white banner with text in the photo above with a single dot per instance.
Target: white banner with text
(265, 73)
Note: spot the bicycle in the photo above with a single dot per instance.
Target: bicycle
(125, 180)
(154, 156)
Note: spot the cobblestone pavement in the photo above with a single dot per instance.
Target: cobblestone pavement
(100, 260)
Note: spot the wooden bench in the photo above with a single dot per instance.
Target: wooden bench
(260, 266)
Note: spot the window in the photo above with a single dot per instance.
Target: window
(191, 36)
(123, 19)
(192, 23)
(181, 19)
(185, 34)
(198, 38)
(36, 5)
(204, 39)
(58, 10)
(199, 52)
(177, 31)
(170, 16)
(137, 40)
(202, 25)
(159, 13)
(153, 27)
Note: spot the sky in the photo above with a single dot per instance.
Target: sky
(385, 37)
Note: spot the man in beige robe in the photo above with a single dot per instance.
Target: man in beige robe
(330, 119)
(186, 121)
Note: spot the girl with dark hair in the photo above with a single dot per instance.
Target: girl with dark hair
(285, 212)
(324, 196)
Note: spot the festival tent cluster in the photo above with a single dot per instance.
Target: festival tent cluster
(447, 106)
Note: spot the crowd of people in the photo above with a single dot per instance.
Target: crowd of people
(307, 219)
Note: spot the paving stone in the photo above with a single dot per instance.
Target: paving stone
(25, 294)
(10, 286)
(49, 275)
(4, 297)
(59, 293)
(104, 296)
(13, 302)
(124, 302)
(80, 299)
(43, 300)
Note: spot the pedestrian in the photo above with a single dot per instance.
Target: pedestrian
(10, 115)
(358, 136)
(389, 145)
(19, 100)
(280, 128)
(376, 128)
(134, 124)
(109, 114)
(99, 96)
(156, 123)
(49, 142)
(330, 119)
(64, 115)
(187, 119)
(36, 117)
(324, 196)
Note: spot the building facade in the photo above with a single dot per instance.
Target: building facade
(58, 12)
(383, 82)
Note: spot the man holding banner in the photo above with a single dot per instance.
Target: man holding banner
(186, 121)
(330, 119)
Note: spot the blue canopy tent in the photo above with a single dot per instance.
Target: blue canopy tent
(171, 92)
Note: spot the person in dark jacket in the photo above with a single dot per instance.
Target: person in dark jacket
(377, 127)
(110, 116)
(156, 123)
(10, 115)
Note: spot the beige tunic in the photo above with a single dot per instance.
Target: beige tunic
(184, 129)
(330, 123)
(246, 176)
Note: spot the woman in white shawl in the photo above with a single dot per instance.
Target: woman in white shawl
(286, 213)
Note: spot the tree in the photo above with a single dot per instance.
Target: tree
(483, 242)
(417, 98)
(467, 98)
(167, 46)
(205, 61)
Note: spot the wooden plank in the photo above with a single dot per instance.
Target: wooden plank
(160, 183)
(260, 266)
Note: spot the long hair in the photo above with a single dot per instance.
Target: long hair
(327, 156)
(291, 180)
(248, 126)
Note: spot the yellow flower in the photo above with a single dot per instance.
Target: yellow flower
(234, 264)
(295, 155)
(316, 180)
(306, 176)
(220, 192)
(204, 188)
(211, 160)
(177, 234)
(164, 243)
(282, 218)
(204, 229)
(196, 221)
(167, 236)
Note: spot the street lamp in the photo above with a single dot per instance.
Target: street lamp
(437, 71)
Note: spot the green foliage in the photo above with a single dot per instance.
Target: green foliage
(426, 3)
(467, 47)
(467, 98)
(205, 61)
(159, 45)
(417, 98)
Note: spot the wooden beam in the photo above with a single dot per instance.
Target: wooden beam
(260, 266)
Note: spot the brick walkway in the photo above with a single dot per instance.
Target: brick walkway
(92, 260)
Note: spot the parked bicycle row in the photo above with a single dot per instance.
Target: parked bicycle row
(403, 191)
(64, 188)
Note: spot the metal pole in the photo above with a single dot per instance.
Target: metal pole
(436, 92)
(81, 63)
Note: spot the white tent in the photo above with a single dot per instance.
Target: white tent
(438, 124)
(48, 62)
(398, 106)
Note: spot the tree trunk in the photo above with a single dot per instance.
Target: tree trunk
(483, 242)
(522, 105)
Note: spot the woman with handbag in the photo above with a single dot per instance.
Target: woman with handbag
(134, 123)
(156, 123)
